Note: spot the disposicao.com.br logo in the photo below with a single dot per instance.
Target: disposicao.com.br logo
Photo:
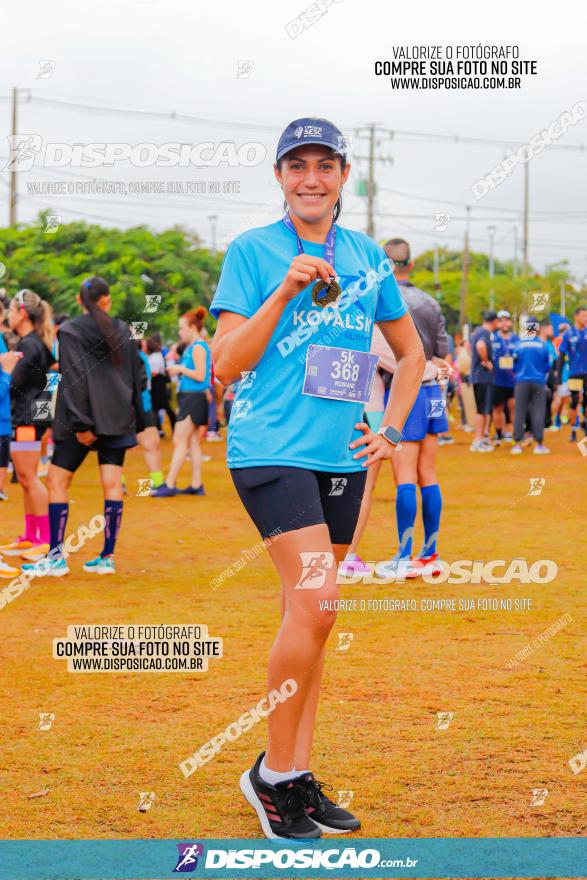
(316, 859)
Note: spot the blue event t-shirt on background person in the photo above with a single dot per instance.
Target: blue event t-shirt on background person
(186, 383)
(481, 375)
(531, 361)
(272, 422)
(504, 378)
(574, 345)
(146, 393)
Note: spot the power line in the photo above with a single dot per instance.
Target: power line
(188, 117)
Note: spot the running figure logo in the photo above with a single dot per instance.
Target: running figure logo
(137, 329)
(441, 222)
(338, 484)
(53, 223)
(46, 719)
(344, 799)
(41, 410)
(247, 379)
(536, 485)
(145, 487)
(244, 68)
(46, 69)
(146, 798)
(314, 570)
(53, 380)
(539, 301)
(443, 720)
(187, 860)
(23, 148)
(436, 408)
(539, 795)
(344, 641)
(152, 302)
(241, 409)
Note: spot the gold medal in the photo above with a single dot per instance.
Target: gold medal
(324, 294)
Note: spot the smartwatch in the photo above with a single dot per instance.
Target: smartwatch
(392, 435)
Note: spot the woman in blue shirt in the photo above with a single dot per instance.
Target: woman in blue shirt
(296, 303)
(149, 438)
(194, 370)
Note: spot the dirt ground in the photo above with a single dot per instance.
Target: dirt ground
(116, 735)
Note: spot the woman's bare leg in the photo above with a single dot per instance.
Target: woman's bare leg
(181, 440)
(196, 460)
(35, 497)
(298, 650)
(372, 475)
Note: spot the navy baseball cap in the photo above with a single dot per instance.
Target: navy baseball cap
(311, 131)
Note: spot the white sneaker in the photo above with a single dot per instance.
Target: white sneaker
(7, 571)
(516, 450)
(541, 450)
(398, 569)
(480, 446)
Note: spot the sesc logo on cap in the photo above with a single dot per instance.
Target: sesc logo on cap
(308, 131)
(311, 131)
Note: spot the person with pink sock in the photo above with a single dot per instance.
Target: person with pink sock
(29, 317)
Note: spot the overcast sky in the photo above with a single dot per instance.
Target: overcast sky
(176, 55)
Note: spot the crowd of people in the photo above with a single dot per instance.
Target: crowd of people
(69, 386)
(320, 385)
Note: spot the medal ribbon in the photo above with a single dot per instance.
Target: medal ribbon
(329, 244)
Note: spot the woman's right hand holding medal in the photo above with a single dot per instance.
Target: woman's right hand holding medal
(303, 270)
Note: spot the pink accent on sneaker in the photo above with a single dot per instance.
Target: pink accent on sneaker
(353, 565)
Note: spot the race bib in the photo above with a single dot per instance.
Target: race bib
(339, 373)
(506, 363)
(575, 384)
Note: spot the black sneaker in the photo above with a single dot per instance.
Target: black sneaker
(280, 807)
(328, 817)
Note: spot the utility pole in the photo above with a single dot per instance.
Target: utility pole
(491, 230)
(515, 266)
(563, 299)
(464, 277)
(371, 132)
(436, 268)
(526, 198)
(12, 211)
(213, 218)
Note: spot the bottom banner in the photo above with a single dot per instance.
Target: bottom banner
(379, 857)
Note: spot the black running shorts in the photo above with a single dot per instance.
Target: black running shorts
(193, 404)
(483, 397)
(282, 499)
(501, 395)
(4, 451)
(70, 454)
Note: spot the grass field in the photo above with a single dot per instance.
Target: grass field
(115, 735)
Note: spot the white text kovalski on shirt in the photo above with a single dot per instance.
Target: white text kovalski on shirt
(309, 321)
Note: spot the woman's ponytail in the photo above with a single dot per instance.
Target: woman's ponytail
(91, 290)
(39, 313)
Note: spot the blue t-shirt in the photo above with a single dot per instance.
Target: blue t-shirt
(3, 347)
(146, 394)
(531, 361)
(574, 345)
(186, 383)
(503, 347)
(272, 422)
(481, 375)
